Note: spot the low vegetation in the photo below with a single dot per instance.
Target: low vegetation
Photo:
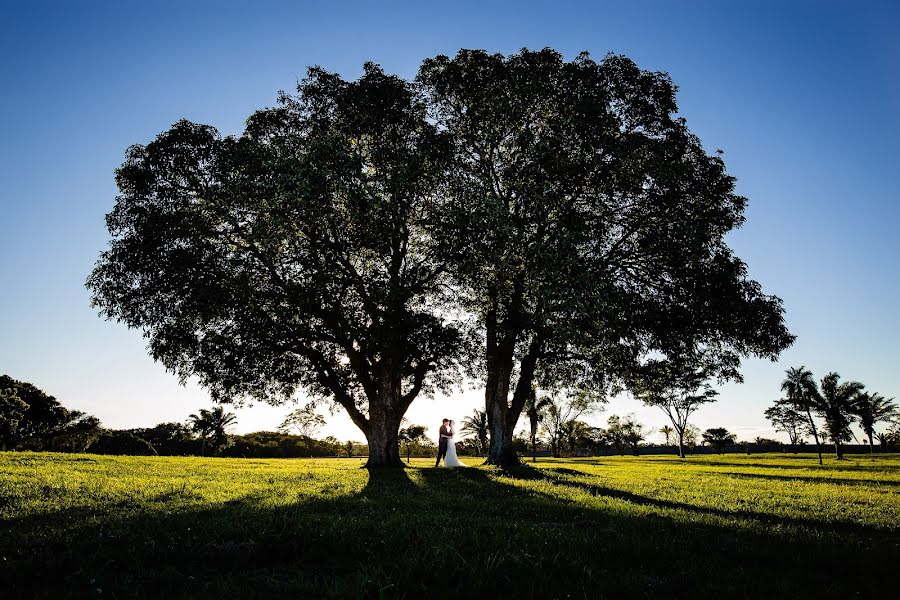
(77, 525)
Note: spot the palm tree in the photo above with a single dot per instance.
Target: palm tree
(871, 409)
(200, 426)
(477, 427)
(798, 385)
(212, 423)
(835, 403)
(667, 431)
(534, 408)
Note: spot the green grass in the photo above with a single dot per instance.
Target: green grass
(656, 527)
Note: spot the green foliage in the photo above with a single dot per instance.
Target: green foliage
(270, 444)
(719, 438)
(800, 386)
(305, 421)
(159, 527)
(786, 417)
(678, 389)
(476, 427)
(45, 424)
(872, 408)
(12, 412)
(121, 442)
(586, 227)
(212, 425)
(835, 403)
(415, 441)
(625, 432)
(295, 256)
(171, 439)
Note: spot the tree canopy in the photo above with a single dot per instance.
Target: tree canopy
(535, 219)
(586, 226)
(293, 256)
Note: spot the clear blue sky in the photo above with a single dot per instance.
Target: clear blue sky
(803, 97)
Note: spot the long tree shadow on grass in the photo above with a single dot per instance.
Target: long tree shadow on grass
(440, 532)
(806, 520)
(805, 479)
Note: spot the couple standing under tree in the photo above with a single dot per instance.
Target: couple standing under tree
(447, 445)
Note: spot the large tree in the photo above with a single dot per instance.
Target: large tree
(586, 227)
(293, 257)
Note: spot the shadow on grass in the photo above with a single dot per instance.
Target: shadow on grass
(435, 532)
(765, 520)
(805, 479)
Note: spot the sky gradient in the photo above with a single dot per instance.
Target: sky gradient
(802, 97)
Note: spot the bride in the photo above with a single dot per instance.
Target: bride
(451, 460)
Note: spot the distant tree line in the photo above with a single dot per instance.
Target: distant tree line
(31, 419)
(838, 405)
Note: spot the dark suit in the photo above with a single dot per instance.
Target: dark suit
(444, 434)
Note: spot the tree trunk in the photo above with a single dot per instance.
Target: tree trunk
(812, 425)
(533, 448)
(383, 428)
(680, 444)
(384, 447)
(501, 452)
(838, 450)
(871, 445)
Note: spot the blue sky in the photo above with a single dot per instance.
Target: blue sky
(803, 98)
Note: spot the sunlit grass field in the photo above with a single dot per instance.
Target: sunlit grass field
(732, 526)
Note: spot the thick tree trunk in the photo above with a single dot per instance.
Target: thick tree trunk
(500, 451)
(871, 445)
(680, 444)
(838, 451)
(384, 447)
(383, 428)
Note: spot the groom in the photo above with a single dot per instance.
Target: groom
(444, 436)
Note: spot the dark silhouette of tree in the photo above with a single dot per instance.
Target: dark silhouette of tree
(200, 425)
(348, 448)
(718, 438)
(787, 418)
(305, 421)
(12, 412)
(871, 408)
(212, 425)
(835, 403)
(625, 432)
(535, 411)
(576, 434)
(667, 432)
(563, 410)
(476, 425)
(45, 424)
(295, 256)
(677, 389)
(586, 227)
(170, 439)
(413, 434)
(113, 441)
(799, 386)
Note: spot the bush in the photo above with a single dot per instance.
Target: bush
(121, 442)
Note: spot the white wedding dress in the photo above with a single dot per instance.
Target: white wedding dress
(451, 460)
